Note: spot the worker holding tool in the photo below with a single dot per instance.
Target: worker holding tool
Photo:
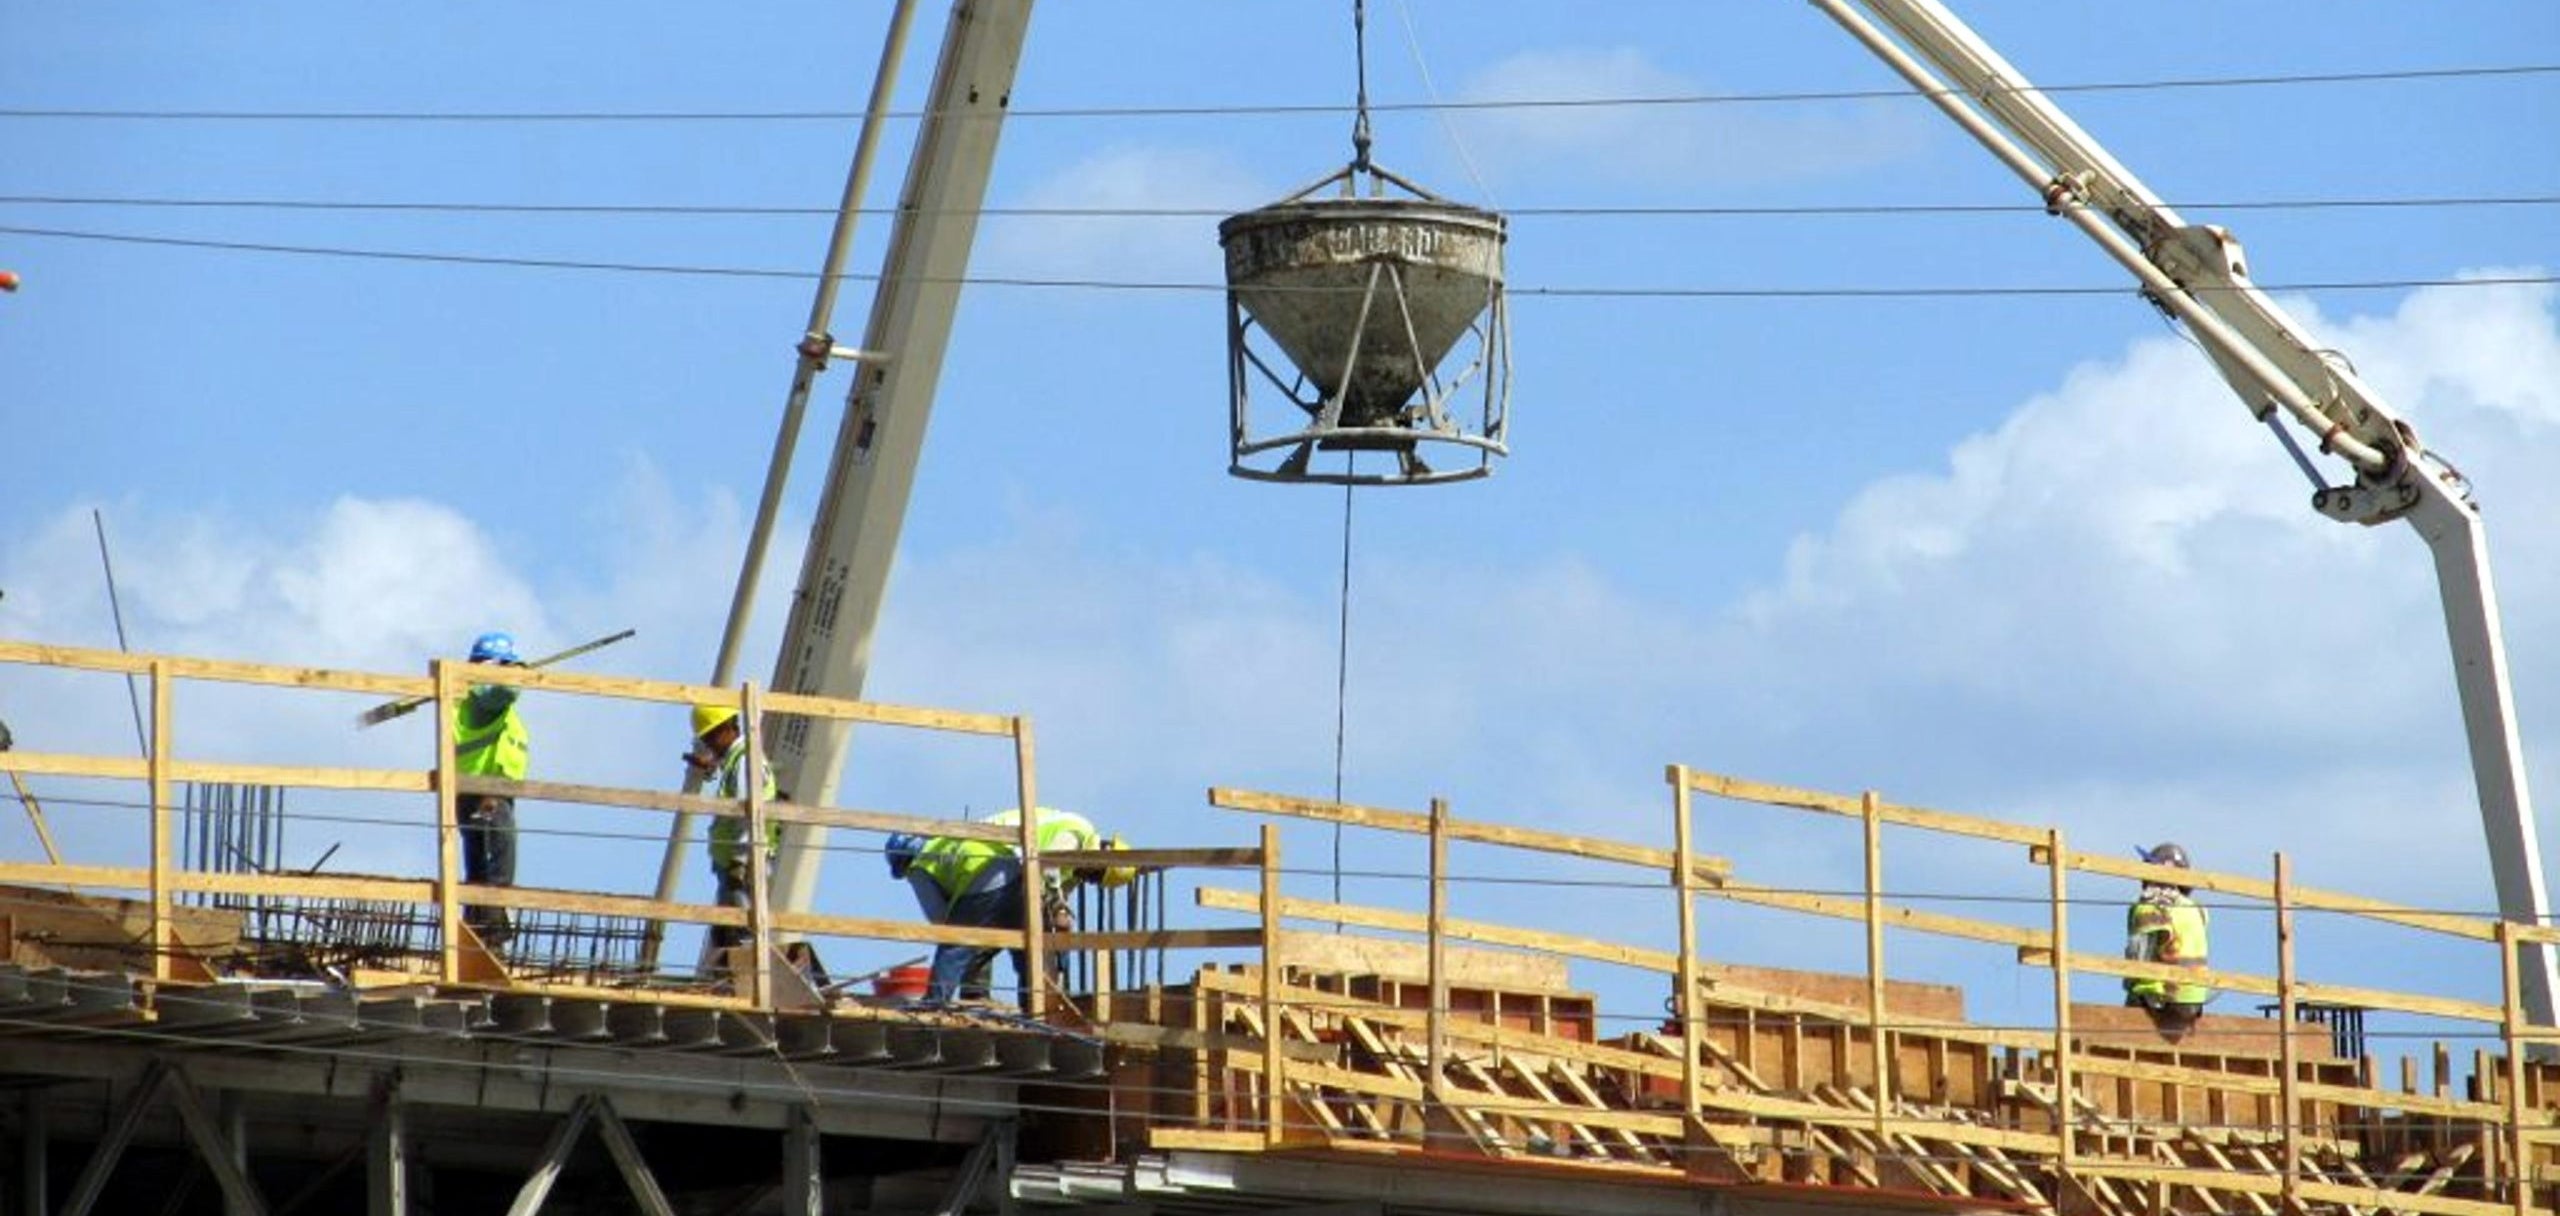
(719, 751)
(2166, 925)
(489, 740)
(978, 884)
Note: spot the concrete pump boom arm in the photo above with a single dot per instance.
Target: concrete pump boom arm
(2197, 274)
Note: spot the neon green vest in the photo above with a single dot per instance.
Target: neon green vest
(955, 865)
(2181, 923)
(729, 835)
(496, 748)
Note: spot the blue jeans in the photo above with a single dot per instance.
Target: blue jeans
(966, 971)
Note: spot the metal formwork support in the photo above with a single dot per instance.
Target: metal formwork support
(33, 1149)
(102, 1159)
(231, 1116)
(555, 1154)
(220, 1147)
(386, 1159)
(626, 1156)
(598, 1109)
(803, 1178)
(991, 1160)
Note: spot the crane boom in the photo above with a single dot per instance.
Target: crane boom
(826, 641)
(2198, 274)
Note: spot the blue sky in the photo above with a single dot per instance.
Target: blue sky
(2014, 554)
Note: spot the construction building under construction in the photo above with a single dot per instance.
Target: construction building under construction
(200, 1035)
(194, 1019)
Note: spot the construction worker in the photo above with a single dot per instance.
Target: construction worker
(489, 740)
(978, 884)
(2165, 925)
(719, 751)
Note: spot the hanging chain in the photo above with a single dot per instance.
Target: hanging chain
(1360, 58)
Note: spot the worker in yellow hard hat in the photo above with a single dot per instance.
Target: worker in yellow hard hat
(719, 751)
(978, 883)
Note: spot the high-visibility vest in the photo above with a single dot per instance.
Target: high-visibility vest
(498, 747)
(2179, 921)
(958, 866)
(729, 833)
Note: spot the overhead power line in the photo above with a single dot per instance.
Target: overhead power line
(2379, 76)
(1133, 285)
(465, 207)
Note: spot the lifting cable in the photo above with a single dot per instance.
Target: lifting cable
(1350, 460)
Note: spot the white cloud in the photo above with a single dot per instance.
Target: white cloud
(1181, 248)
(1667, 143)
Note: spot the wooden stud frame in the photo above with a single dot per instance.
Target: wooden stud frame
(448, 827)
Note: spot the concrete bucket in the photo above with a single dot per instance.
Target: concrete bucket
(1365, 298)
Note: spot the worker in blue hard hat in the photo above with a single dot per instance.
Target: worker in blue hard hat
(719, 754)
(489, 740)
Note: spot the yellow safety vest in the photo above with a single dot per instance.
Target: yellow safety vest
(729, 834)
(956, 865)
(498, 747)
(2182, 922)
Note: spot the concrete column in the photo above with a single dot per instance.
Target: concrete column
(386, 1159)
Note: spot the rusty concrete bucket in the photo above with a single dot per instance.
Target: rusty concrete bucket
(1365, 300)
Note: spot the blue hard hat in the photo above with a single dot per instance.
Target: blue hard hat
(901, 851)
(494, 648)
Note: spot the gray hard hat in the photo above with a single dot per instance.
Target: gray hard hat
(2166, 853)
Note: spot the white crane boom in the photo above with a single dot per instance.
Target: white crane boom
(2197, 274)
(826, 642)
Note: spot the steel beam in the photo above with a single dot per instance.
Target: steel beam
(735, 1091)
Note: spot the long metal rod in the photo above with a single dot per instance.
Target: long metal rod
(115, 608)
(816, 344)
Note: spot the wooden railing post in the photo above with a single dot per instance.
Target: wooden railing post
(1685, 1002)
(2511, 1027)
(759, 850)
(448, 828)
(164, 929)
(1436, 941)
(1879, 1039)
(1035, 888)
(2057, 871)
(1274, 1061)
(2288, 1054)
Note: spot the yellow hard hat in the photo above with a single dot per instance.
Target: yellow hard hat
(708, 718)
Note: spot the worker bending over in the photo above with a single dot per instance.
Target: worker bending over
(719, 752)
(978, 884)
(2166, 925)
(489, 740)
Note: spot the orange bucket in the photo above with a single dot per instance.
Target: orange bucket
(902, 983)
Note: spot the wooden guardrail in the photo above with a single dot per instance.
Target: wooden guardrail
(2038, 1113)
(2508, 1117)
(162, 879)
